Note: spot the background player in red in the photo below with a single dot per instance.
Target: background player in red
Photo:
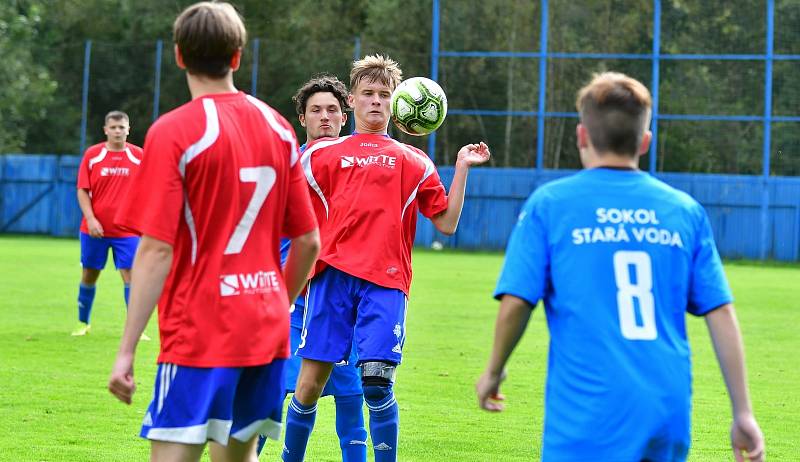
(211, 202)
(367, 190)
(104, 177)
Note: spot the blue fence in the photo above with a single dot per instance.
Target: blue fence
(37, 195)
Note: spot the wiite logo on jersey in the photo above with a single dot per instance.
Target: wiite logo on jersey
(259, 282)
(381, 160)
(115, 171)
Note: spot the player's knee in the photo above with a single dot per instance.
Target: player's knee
(308, 390)
(377, 378)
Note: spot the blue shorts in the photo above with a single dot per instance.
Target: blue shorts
(192, 405)
(94, 251)
(343, 310)
(345, 378)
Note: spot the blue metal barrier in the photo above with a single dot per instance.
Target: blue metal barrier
(37, 195)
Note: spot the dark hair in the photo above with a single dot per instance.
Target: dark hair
(615, 109)
(208, 34)
(116, 115)
(322, 83)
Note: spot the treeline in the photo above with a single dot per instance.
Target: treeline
(42, 43)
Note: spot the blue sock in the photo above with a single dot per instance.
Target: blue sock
(384, 422)
(85, 302)
(299, 423)
(350, 428)
(127, 294)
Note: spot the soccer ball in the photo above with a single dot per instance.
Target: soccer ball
(419, 106)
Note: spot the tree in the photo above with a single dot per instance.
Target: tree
(27, 87)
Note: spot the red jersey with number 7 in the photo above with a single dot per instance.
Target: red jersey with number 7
(220, 181)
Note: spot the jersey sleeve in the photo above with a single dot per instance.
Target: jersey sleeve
(431, 196)
(83, 173)
(527, 261)
(708, 286)
(299, 217)
(155, 201)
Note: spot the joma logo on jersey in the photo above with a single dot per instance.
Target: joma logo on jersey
(381, 160)
(259, 282)
(115, 171)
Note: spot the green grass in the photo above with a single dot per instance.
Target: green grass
(54, 405)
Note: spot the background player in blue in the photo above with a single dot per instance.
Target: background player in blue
(618, 257)
(320, 104)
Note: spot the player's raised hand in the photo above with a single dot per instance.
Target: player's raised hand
(121, 383)
(488, 391)
(747, 439)
(95, 228)
(474, 154)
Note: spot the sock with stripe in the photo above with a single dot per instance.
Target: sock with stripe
(299, 423)
(384, 421)
(350, 428)
(85, 302)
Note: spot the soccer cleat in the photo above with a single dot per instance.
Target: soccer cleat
(82, 329)
(144, 337)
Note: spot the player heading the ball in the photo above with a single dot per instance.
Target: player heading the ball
(367, 190)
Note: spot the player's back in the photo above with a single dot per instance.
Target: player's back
(234, 156)
(628, 257)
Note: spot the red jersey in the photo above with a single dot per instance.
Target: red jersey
(367, 190)
(217, 176)
(107, 176)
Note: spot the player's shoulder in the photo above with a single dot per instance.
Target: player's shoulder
(94, 149)
(274, 118)
(328, 143)
(136, 150)
(180, 119)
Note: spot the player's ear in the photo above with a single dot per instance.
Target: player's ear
(302, 119)
(236, 60)
(648, 135)
(582, 136)
(344, 117)
(351, 100)
(179, 58)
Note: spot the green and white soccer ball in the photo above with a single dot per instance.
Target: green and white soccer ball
(419, 106)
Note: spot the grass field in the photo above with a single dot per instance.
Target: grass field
(54, 405)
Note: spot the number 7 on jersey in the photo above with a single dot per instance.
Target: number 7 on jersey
(264, 178)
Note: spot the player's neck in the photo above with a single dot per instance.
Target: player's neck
(200, 86)
(111, 146)
(613, 160)
(364, 129)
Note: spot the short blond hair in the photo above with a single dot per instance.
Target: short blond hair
(208, 34)
(375, 68)
(615, 109)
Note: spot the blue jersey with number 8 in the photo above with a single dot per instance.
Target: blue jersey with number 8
(618, 257)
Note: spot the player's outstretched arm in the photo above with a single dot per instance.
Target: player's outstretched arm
(150, 269)
(303, 253)
(746, 437)
(512, 319)
(469, 155)
(85, 203)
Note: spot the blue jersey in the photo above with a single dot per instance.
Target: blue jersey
(618, 257)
